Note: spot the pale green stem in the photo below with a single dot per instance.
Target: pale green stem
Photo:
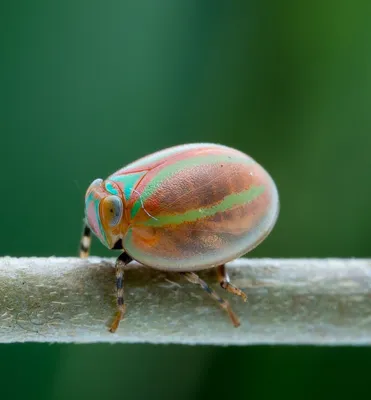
(295, 301)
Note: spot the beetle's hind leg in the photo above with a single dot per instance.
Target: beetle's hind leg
(194, 278)
(223, 279)
(85, 242)
(123, 260)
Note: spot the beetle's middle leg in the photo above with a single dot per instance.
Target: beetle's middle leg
(122, 260)
(223, 279)
(194, 278)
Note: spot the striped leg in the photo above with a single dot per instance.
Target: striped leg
(85, 242)
(123, 260)
(223, 279)
(194, 278)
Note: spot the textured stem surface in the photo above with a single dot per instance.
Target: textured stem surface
(292, 301)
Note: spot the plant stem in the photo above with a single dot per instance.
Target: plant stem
(290, 301)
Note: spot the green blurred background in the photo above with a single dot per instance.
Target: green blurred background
(86, 87)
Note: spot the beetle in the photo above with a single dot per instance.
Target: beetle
(184, 209)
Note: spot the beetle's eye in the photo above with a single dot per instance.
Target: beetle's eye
(112, 210)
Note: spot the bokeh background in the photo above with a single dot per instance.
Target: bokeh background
(87, 86)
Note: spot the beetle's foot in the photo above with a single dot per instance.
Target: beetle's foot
(194, 278)
(116, 322)
(235, 320)
(233, 289)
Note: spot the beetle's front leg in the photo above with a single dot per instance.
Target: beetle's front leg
(121, 262)
(85, 242)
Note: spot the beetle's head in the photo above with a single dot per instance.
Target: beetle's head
(104, 211)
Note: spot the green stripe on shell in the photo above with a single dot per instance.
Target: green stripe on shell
(171, 169)
(193, 215)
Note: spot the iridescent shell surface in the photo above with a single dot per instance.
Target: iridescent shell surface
(186, 208)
